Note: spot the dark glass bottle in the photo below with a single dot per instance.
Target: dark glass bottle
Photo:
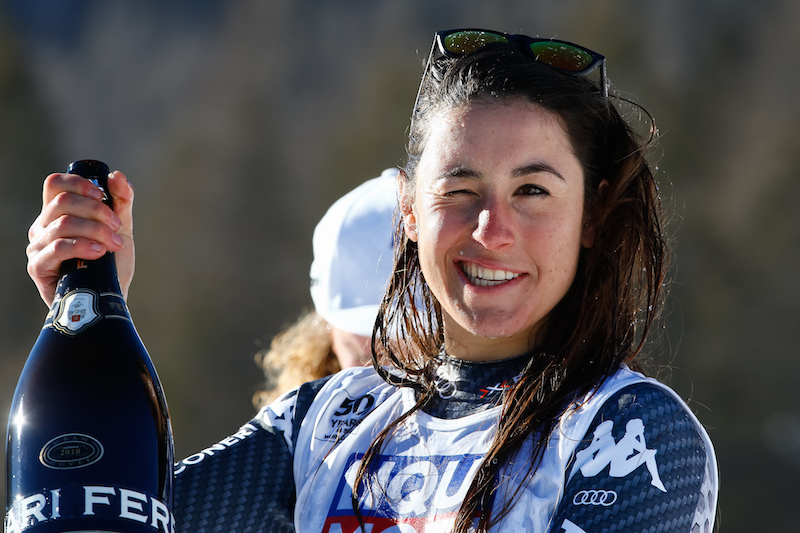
(89, 441)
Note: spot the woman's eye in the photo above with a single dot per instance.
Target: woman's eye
(531, 190)
(457, 192)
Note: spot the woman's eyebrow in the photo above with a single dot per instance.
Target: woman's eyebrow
(460, 172)
(536, 168)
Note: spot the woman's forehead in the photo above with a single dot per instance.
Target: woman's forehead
(491, 128)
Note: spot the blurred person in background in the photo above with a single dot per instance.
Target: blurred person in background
(352, 247)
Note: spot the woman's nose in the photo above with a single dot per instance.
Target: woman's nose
(493, 229)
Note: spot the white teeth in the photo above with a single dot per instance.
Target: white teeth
(486, 277)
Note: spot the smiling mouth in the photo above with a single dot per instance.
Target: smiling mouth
(486, 277)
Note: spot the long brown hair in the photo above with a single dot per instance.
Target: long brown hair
(603, 320)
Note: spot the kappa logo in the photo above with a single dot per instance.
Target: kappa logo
(621, 457)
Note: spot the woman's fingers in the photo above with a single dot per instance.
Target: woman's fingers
(75, 223)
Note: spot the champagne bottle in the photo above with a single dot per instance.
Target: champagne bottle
(89, 441)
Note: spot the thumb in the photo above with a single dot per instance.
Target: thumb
(122, 195)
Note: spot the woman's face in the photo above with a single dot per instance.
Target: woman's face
(497, 211)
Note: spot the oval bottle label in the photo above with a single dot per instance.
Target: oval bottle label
(71, 450)
(78, 310)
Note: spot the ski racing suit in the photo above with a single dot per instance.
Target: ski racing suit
(630, 456)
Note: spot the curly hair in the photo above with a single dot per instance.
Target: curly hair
(300, 353)
(615, 298)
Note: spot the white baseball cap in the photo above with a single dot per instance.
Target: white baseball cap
(353, 255)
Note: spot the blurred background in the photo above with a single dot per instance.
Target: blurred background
(240, 122)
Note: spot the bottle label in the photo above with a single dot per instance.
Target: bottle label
(70, 451)
(82, 308)
(85, 507)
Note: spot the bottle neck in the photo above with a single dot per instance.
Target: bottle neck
(99, 275)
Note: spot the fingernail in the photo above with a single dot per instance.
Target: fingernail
(95, 193)
(118, 240)
(116, 221)
(97, 247)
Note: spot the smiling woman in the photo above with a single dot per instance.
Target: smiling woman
(497, 214)
(506, 392)
(532, 256)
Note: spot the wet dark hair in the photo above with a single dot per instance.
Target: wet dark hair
(603, 320)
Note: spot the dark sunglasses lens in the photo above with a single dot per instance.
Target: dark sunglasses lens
(464, 42)
(561, 55)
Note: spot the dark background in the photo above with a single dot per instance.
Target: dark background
(240, 122)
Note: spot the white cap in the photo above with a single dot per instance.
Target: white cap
(353, 255)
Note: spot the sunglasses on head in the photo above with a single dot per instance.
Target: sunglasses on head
(565, 57)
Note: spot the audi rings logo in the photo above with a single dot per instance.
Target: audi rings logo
(605, 498)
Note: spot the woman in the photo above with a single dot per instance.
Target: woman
(529, 269)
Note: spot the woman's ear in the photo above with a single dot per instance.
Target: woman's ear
(406, 197)
(594, 221)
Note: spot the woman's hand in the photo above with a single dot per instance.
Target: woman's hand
(75, 223)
